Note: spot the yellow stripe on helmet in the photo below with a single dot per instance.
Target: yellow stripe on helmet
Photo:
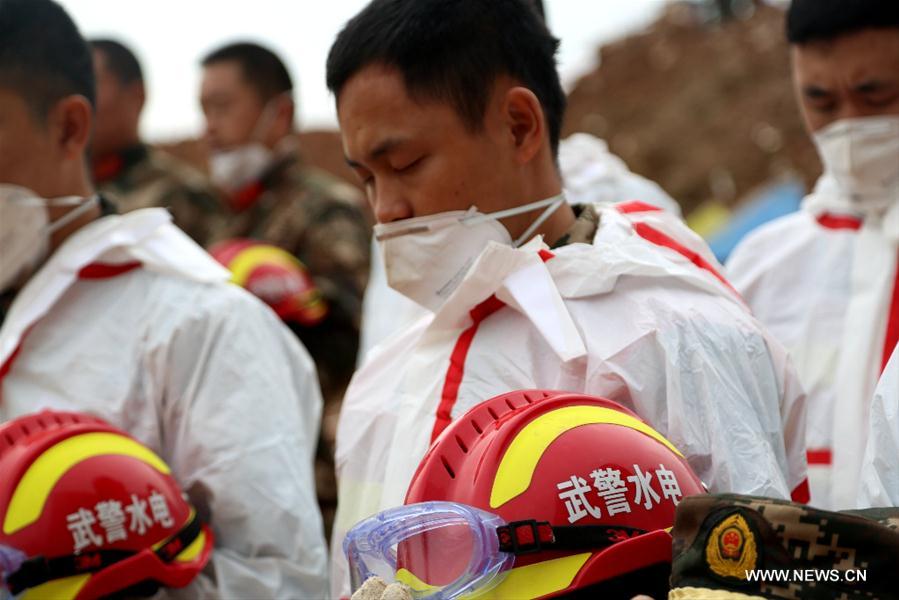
(34, 488)
(66, 588)
(513, 476)
(193, 549)
(535, 580)
(242, 265)
(529, 581)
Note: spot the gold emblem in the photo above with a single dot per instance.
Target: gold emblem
(731, 549)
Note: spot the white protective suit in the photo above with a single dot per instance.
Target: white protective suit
(591, 175)
(823, 280)
(195, 368)
(880, 467)
(622, 318)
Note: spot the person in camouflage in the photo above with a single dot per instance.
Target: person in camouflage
(132, 174)
(728, 546)
(276, 198)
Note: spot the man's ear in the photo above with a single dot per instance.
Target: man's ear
(70, 123)
(525, 121)
(139, 93)
(284, 116)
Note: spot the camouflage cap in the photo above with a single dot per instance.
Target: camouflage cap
(731, 546)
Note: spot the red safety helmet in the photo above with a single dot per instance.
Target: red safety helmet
(545, 461)
(93, 511)
(274, 276)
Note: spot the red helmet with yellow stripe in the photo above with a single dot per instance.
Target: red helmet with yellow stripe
(560, 459)
(274, 276)
(93, 511)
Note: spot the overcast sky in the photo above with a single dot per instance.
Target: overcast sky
(170, 37)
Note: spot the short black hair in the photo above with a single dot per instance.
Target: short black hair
(43, 57)
(813, 20)
(120, 61)
(260, 67)
(453, 50)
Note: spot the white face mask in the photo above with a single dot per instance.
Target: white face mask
(427, 257)
(25, 229)
(234, 168)
(862, 156)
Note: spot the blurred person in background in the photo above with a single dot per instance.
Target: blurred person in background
(450, 113)
(125, 318)
(130, 173)
(824, 279)
(274, 197)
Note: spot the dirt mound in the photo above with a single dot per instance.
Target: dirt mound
(707, 111)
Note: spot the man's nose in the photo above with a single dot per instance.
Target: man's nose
(855, 109)
(209, 135)
(390, 204)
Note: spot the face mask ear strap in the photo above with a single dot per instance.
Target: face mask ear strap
(551, 203)
(557, 202)
(72, 214)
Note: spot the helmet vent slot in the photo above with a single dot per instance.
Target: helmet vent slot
(462, 444)
(476, 427)
(492, 413)
(447, 466)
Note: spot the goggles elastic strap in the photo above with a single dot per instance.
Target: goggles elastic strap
(40, 570)
(528, 537)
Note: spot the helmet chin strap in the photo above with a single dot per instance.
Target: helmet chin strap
(528, 537)
(39, 569)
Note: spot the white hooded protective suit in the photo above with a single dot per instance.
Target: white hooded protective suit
(591, 175)
(823, 280)
(650, 327)
(132, 322)
(880, 468)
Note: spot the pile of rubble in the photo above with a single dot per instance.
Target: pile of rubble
(704, 109)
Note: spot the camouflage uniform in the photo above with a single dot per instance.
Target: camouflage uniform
(718, 538)
(142, 177)
(320, 220)
(584, 228)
